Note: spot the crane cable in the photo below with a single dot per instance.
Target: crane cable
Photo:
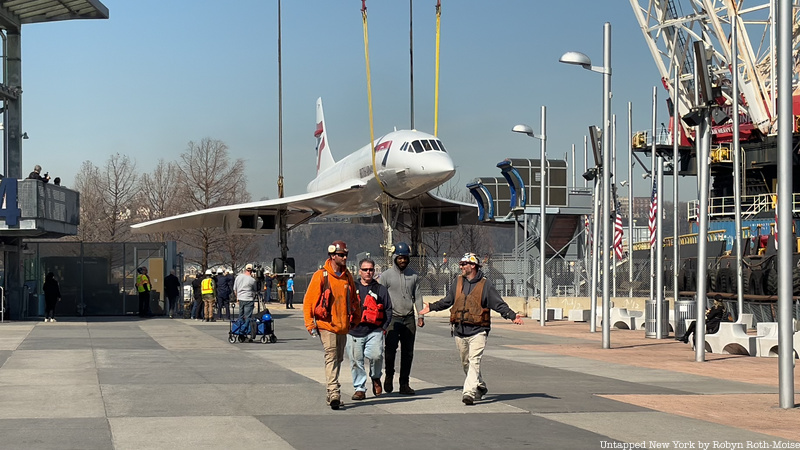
(369, 91)
(436, 89)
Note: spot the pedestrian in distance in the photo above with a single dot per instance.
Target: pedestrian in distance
(290, 292)
(172, 289)
(52, 295)
(197, 297)
(365, 341)
(208, 289)
(143, 287)
(714, 316)
(403, 284)
(470, 299)
(330, 310)
(224, 289)
(246, 287)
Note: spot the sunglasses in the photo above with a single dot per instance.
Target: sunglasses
(341, 255)
(368, 270)
(463, 264)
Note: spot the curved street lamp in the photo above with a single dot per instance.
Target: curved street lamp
(525, 129)
(582, 60)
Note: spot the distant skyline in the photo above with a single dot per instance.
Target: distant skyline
(157, 75)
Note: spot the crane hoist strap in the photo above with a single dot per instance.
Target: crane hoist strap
(436, 81)
(369, 91)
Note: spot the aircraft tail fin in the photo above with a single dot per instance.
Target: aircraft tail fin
(324, 156)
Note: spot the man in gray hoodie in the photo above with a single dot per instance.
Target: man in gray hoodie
(402, 282)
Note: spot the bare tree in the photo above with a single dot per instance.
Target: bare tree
(119, 187)
(107, 199)
(162, 194)
(91, 210)
(211, 180)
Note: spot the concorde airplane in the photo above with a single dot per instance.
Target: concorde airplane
(408, 164)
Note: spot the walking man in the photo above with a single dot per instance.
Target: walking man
(471, 297)
(330, 309)
(172, 288)
(402, 282)
(366, 339)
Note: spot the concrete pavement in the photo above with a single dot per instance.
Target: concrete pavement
(127, 383)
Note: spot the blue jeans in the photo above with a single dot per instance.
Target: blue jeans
(197, 308)
(245, 310)
(358, 348)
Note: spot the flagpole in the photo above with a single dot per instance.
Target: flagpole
(630, 200)
(653, 183)
(616, 211)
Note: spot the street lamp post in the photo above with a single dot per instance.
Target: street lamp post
(584, 61)
(542, 210)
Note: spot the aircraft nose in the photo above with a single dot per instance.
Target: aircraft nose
(438, 165)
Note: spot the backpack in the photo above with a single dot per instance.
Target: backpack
(322, 310)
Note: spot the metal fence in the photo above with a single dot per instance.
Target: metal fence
(94, 278)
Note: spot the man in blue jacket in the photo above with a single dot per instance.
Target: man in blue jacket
(471, 296)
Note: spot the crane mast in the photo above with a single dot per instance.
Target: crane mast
(669, 28)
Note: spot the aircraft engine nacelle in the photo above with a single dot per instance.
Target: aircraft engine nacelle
(251, 223)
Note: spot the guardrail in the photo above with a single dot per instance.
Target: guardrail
(719, 207)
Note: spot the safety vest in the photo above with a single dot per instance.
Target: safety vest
(467, 308)
(372, 311)
(207, 286)
(142, 283)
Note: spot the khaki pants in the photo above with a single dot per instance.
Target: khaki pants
(471, 351)
(333, 344)
(208, 300)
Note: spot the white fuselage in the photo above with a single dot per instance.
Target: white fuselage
(408, 163)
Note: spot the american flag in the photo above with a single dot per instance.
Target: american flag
(776, 222)
(653, 213)
(589, 241)
(618, 232)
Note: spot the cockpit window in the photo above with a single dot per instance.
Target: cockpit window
(404, 147)
(418, 146)
(426, 144)
(441, 146)
(435, 144)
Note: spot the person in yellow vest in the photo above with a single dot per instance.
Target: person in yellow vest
(471, 297)
(207, 289)
(143, 288)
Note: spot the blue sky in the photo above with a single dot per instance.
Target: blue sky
(158, 74)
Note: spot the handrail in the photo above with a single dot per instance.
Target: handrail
(751, 205)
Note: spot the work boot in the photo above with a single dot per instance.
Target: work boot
(359, 395)
(406, 390)
(388, 385)
(481, 392)
(467, 399)
(376, 387)
(335, 401)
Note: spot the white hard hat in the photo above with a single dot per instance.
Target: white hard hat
(208, 271)
(219, 270)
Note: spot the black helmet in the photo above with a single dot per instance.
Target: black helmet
(402, 249)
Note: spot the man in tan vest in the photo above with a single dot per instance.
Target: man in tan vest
(471, 296)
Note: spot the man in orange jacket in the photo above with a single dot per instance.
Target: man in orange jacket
(330, 308)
